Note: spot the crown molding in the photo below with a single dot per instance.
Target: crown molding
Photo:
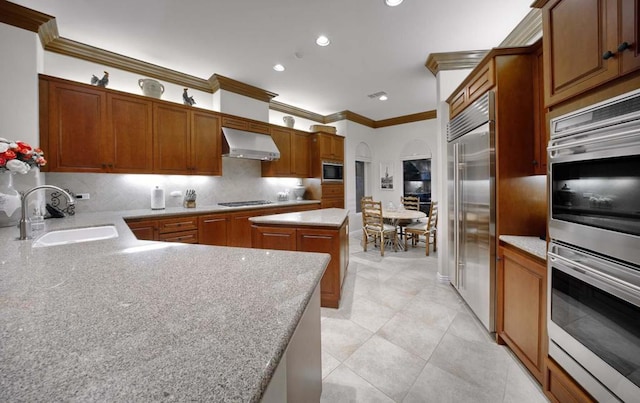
(22, 17)
(527, 31)
(539, 3)
(218, 82)
(293, 110)
(467, 59)
(352, 116)
(79, 50)
(400, 120)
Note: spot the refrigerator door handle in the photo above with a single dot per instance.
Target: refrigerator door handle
(456, 212)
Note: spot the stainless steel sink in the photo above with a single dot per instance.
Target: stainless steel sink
(75, 235)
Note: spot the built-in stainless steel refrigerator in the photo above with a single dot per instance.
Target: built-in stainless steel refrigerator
(471, 209)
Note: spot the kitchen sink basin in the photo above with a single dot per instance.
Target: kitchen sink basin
(76, 235)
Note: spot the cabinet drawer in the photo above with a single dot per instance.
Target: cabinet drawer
(235, 123)
(457, 103)
(332, 191)
(178, 224)
(183, 237)
(332, 203)
(259, 127)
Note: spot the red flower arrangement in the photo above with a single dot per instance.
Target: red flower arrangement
(18, 156)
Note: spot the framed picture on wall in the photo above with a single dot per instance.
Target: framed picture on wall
(386, 175)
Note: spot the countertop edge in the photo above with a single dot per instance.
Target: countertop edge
(530, 244)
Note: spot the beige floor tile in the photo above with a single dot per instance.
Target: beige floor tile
(343, 385)
(429, 312)
(368, 314)
(390, 297)
(386, 366)
(341, 337)
(435, 385)
(329, 363)
(443, 294)
(482, 364)
(469, 328)
(413, 335)
(521, 386)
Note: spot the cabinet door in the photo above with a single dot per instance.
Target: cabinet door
(540, 126)
(300, 155)
(576, 34)
(560, 387)
(282, 138)
(325, 146)
(213, 229)
(522, 309)
(130, 146)
(171, 139)
(240, 227)
(337, 147)
(630, 33)
(144, 230)
(77, 129)
(325, 241)
(206, 144)
(273, 238)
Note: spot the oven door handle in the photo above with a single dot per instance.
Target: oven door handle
(628, 134)
(588, 271)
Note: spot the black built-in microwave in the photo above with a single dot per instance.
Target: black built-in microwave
(332, 172)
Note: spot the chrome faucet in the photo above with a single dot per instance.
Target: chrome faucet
(23, 217)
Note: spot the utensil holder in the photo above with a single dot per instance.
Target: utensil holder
(189, 204)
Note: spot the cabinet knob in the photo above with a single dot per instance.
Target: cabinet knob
(607, 55)
(623, 46)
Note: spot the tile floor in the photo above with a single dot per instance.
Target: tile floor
(401, 336)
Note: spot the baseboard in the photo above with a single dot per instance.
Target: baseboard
(442, 278)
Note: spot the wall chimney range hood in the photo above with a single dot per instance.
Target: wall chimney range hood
(248, 145)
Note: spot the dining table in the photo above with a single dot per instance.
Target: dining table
(397, 214)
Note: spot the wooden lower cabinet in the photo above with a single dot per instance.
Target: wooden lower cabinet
(146, 230)
(330, 240)
(560, 387)
(182, 237)
(522, 308)
(214, 229)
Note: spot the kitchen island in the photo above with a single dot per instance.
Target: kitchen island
(324, 230)
(129, 320)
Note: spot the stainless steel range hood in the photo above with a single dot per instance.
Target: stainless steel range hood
(243, 144)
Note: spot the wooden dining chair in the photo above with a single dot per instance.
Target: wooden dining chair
(409, 203)
(373, 227)
(428, 230)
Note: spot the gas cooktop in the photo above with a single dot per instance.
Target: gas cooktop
(245, 203)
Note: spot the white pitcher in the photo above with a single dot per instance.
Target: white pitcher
(151, 87)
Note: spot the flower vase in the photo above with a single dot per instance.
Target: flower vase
(9, 201)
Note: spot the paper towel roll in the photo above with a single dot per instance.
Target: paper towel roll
(157, 198)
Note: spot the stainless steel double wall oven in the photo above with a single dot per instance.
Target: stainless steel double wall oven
(594, 253)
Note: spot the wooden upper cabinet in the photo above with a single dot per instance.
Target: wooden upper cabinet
(206, 144)
(300, 155)
(630, 34)
(77, 130)
(583, 44)
(130, 134)
(476, 85)
(294, 154)
(331, 146)
(171, 126)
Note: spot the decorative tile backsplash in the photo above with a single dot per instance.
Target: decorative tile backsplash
(115, 192)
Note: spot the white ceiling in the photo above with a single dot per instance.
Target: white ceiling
(373, 47)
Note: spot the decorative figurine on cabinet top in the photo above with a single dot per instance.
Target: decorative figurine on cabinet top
(187, 99)
(102, 82)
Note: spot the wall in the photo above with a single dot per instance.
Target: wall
(240, 105)
(19, 95)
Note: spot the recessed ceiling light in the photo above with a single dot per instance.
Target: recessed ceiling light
(323, 41)
(278, 67)
(393, 3)
(383, 97)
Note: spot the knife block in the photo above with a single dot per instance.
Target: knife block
(189, 204)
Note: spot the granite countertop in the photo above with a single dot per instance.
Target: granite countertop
(531, 244)
(331, 217)
(129, 320)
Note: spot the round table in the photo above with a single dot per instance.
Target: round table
(402, 214)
